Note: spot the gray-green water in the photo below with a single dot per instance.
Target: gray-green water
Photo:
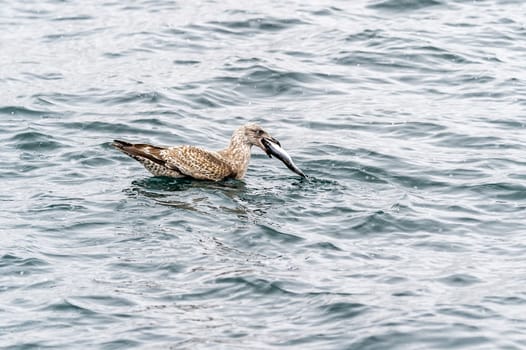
(409, 115)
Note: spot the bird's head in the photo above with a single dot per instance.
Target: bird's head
(255, 135)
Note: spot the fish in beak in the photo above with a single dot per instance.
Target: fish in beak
(273, 148)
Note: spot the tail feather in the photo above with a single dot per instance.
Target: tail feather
(139, 150)
(119, 143)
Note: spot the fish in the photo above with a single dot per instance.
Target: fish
(275, 149)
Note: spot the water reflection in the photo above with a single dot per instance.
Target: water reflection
(228, 197)
(161, 183)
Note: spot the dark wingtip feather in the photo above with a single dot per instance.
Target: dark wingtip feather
(140, 151)
(120, 144)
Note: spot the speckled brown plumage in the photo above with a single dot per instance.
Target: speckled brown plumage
(196, 162)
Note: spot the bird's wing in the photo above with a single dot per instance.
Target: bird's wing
(196, 162)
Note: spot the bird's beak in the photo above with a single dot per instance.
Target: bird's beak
(266, 141)
(273, 148)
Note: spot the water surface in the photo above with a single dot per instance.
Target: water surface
(408, 115)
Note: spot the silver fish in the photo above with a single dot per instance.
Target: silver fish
(274, 149)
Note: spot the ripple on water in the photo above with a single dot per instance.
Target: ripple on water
(404, 5)
(12, 265)
(459, 280)
(410, 226)
(23, 111)
(251, 27)
(35, 141)
(344, 311)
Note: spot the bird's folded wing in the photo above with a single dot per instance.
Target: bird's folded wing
(197, 163)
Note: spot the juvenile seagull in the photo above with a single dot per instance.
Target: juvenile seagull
(198, 163)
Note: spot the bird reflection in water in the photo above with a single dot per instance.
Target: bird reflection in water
(198, 196)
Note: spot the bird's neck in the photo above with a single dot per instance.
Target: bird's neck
(237, 154)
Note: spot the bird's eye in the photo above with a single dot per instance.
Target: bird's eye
(259, 132)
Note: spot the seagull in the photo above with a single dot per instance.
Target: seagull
(198, 163)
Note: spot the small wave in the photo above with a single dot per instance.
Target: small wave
(259, 80)
(254, 285)
(343, 310)
(35, 141)
(68, 306)
(255, 25)
(459, 280)
(23, 111)
(46, 76)
(404, 5)
(73, 18)
(65, 36)
(11, 264)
